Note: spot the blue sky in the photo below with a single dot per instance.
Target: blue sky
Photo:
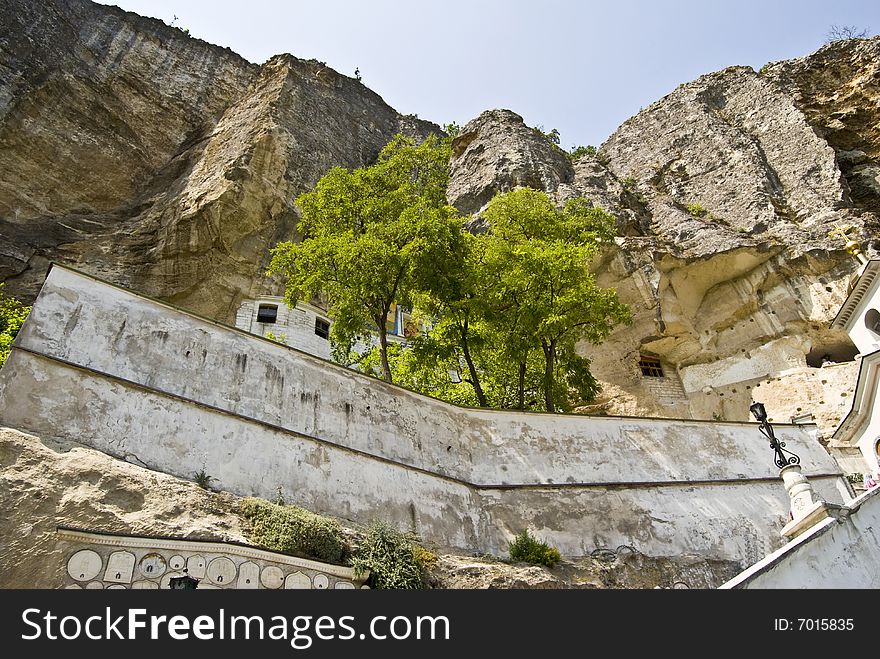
(581, 67)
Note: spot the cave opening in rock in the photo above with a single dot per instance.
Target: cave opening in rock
(831, 352)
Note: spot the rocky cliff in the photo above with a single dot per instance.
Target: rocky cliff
(159, 161)
(725, 192)
(169, 165)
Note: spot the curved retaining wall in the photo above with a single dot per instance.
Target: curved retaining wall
(142, 380)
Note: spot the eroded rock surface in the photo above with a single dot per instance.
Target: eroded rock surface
(158, 161)
(725, 192)
(168, 165)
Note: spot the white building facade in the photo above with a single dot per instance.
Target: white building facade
(306, 327)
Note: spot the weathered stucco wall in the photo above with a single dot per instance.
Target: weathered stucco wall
(142, 380)
(836, 553)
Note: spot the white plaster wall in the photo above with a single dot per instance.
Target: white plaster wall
(864, 339)
(88, 323)
(143, 381)
(841, 553)
(297, 325)
(723, 520)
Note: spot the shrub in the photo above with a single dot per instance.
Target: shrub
(697, 210)
(527, 549)
(277, 338)
(628, 184)
(393, 558)
(292, 530)
(580, 151)
(425, 557)
(452, 129)
(552, 137)
(202, 479)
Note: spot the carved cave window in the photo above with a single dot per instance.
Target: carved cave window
(650, 367)
(267, 313)
(322, 328)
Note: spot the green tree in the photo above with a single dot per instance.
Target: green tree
(369, 236)
(12, 316)
(538, 290)
(505, 312)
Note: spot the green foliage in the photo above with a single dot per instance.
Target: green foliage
(425, 557)
(202, 479)
(277, 338)
(552, 137)
(628, 184)
(293, 530)
(369, 236)
(505, 310)
(581, 151)
(525, 548)
(12, 316)
(452, 130)
(764, 69)
(538, 291)
(393, 559)
(697, 210)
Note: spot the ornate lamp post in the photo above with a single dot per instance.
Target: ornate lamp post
(778, 447)
(807, 509)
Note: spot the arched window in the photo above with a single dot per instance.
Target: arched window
(872, 320)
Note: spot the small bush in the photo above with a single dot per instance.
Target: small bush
(202, 479)
(628, 184)
(527, 549)
(581, 151)
(697, 210)
(12, 316)
(292, 530)
(393, 558)
(277, 338)
(425, 557)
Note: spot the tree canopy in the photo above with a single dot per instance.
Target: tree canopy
(12, 316)
(368, 235)
(501, 312)
(515, 312)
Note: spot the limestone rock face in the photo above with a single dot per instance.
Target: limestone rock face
(170, 166)
(497, 152)
(724, 192)
(158, 161)
(44, 485)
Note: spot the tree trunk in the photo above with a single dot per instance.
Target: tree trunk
(521, 387)
(475, 378)
(383, 351)
(549, 369)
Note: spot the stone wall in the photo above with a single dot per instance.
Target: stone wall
(836, 553)
(144, 381)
